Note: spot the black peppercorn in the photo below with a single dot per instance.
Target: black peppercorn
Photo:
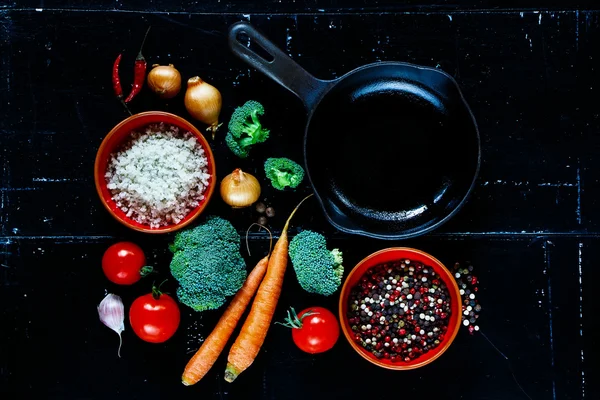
(260, 207)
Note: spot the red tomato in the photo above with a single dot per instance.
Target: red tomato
(319, 331)
(154, 317)
(122, 263)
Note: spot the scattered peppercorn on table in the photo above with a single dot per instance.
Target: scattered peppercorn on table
(522, 250)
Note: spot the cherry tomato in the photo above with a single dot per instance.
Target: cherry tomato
(318, 332)
(154, 317)
(123, 262)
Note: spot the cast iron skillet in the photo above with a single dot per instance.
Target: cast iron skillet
(391, 149)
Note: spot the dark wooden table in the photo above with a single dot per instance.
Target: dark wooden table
(531, 228)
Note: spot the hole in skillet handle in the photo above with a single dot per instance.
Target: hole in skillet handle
(260, 51)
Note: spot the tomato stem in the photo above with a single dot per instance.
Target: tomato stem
(146, 270)
(156, 292)
(293, 321)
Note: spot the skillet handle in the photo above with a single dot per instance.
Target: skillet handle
(282, 69)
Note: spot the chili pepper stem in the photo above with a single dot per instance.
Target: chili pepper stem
(125, 105)
(140, 57)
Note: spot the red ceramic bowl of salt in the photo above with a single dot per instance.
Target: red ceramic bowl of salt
(118, 136)
(397, 254)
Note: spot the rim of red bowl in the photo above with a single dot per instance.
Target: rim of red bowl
(109, 144)
(393, 254)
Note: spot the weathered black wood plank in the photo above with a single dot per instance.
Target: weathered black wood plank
(527, 76)
(297, 6)
(529, 299)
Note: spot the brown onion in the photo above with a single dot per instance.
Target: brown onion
(203, 102)
(164, 80)
(240, 189)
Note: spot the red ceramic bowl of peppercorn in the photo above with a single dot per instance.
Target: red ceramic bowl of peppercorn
(366, 269)
(119, 135)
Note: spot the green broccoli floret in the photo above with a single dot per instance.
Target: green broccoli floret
(283, 172)
(234, 146)
(210, 300)
(245, 128)
(207, 264)
(318, 270)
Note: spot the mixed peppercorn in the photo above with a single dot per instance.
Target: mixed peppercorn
(468, 285)
(264, 212)
(399, 310)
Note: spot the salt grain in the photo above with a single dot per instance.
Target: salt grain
(158, 176)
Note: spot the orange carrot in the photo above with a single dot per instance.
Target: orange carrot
(253, 333)
(210, 350)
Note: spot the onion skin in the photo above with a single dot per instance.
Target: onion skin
(240, 189)
(164, 80)
(203, 101)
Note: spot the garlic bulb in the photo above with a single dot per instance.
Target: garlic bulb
(112, 314)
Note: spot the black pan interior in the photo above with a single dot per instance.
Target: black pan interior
(392, 150)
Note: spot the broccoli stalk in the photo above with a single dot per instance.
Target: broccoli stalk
(283, 172)
(318, 270)
(245, 128)
(207, 264)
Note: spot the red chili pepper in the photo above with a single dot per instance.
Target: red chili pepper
(139, 72)
(116, 81)
(139, 78)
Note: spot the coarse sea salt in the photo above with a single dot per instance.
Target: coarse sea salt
(159, 175)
